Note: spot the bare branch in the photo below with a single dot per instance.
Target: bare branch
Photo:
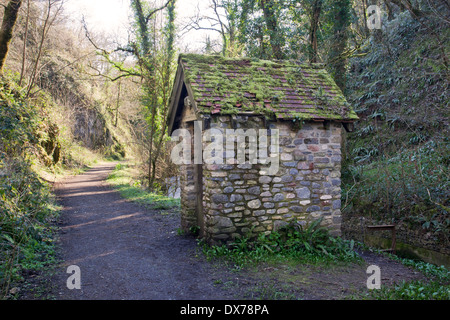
(126, 72)
(147, 18)
(436, 12)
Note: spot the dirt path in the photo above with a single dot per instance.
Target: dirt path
(125, 251)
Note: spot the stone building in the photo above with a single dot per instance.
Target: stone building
(259, 145)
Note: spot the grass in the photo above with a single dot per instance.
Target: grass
(77, 159)
(271, 292)
(415, 290)
(437, 288)
(123, 179)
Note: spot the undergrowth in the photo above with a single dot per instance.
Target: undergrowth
(27, 207)
(412, 187)
(397, 159)
(436, 288)
(311, 244)
(415, 290)
(27, 215)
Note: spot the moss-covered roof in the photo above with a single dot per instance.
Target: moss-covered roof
(283, 89)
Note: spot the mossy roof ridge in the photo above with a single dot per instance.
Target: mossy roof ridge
(284, 89)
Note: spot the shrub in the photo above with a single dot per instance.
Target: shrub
(293, 241)
(26, 206)
(26, 211)
(412, 186)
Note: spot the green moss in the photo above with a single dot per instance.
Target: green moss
(264, 87)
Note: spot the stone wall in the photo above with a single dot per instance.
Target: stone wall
(238, 200)
(188, 192)
(89, 127)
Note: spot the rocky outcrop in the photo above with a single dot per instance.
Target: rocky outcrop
(89, 127)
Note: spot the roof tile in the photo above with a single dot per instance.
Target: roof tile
(286, 89)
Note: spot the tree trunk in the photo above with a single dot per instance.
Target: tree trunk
(9, 20)
(336, 54)
(146, 62)
(170, 28)
(150, 149)
(117, 104)
(142, 26)
(364, 4)
(272, 26)
(389, 10)
(315, 16)
(24, 51)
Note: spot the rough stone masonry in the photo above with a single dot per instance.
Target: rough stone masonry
(240, 201)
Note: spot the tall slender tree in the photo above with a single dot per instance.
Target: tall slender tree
(50, 16)
(168, 53)
(269, 8)
(315, 10)
(155, 72)
(24, 50)
(340, 17)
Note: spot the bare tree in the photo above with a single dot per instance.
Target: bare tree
(154, 51)
(222, 19)
(24, 50)
(48, 21)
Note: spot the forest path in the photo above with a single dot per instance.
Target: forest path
(128, 252)
(124, 250)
